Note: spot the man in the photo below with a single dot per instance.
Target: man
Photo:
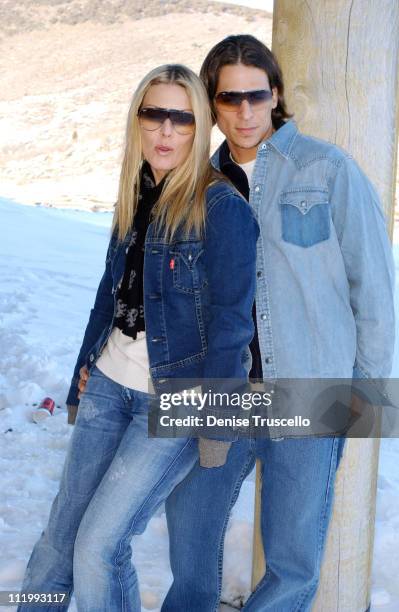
(324, 309)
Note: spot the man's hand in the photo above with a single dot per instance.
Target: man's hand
(84, 377)
(365, 421)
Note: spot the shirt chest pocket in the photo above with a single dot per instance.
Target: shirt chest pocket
(188, 266)
(305, 216)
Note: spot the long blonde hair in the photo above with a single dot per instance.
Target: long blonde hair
(182, 201)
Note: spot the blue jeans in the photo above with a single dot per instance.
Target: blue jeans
(297, 491)
(114, 479)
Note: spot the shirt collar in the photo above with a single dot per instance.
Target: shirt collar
(283, 138)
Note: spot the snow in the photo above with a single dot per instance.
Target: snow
(51, 261)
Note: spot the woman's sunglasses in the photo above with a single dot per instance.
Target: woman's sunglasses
(151, 118)
(232, 100)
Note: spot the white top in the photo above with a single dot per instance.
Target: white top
(125, 360)
(248, 168)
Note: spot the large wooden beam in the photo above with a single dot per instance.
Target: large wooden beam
(340, 63)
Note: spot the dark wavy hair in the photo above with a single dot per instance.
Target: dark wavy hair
(248, 50)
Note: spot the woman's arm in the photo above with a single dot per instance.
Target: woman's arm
(100, 317)
(230, 259)
(230, 256)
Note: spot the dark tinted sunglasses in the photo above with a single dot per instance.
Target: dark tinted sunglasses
(232, 100)
(151, 118)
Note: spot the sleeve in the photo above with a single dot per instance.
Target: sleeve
(367, 254)
(230, 259)
(100, 317)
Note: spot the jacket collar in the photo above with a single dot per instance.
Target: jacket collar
(282, 140)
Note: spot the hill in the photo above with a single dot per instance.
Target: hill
(67, 72)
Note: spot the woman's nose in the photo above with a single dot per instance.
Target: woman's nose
(167, 127)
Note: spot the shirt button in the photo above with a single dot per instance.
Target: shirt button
(257, 188)
(263, 147)
(127, 250)
(263, 317)
(259, 274)
(268, 360)
(91, 358)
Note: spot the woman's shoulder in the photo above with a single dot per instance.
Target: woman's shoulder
(221, 189)
(226, 207)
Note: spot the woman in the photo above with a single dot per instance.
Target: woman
(174, 302)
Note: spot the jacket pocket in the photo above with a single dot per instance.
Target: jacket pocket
(189, 275)
(305, 216)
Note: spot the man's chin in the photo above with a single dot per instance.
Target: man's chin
(246, 143)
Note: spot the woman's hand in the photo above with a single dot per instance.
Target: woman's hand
(72, 413)
(73, 410)
(84, 377)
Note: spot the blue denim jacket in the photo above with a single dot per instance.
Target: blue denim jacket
(197, 309)
(325, 273)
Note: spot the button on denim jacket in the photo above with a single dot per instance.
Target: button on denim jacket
(325, 273)
(198, 296)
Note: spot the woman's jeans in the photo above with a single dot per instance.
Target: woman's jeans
(114, 479)
(297, 491)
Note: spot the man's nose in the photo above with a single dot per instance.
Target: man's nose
(245, 110)
(167, 127)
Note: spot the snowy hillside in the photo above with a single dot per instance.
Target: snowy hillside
(50, 264)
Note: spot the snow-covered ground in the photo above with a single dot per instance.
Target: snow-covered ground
(50, 263)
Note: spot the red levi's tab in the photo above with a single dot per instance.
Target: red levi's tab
(172, 264)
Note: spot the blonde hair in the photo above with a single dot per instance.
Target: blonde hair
(182, 201)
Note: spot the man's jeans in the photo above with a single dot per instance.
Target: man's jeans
(114, 479)
(297, 491)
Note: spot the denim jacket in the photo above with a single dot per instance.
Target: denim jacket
(325, 274)
(198, 296)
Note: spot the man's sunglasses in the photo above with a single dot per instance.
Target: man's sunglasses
(232, 100)
(152, 117)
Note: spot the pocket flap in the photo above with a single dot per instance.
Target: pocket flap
(304, 199)
(188, 251)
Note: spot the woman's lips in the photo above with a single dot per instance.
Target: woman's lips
(163, 150)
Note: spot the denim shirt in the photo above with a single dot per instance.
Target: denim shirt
(198, 296)
(325, 273)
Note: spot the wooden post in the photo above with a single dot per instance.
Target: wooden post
(340, 64)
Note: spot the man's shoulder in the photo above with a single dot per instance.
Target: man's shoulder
(309, 149)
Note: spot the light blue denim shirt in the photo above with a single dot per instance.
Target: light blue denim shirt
(325, 273)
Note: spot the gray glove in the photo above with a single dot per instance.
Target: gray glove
(212, 453)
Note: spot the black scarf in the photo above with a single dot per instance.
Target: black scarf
(129, 315)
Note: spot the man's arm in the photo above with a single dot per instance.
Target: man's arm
(361, 229)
